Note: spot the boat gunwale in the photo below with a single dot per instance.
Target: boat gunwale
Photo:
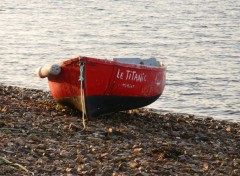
(84, 59)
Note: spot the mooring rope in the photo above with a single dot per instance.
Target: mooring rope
(82, 93)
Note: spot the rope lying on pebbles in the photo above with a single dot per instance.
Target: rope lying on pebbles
(48, 140)
(4, 161)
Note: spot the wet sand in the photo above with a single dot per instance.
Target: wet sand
(39, 137)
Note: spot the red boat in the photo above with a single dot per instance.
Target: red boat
(100, 86)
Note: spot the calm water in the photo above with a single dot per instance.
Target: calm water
(199, 40)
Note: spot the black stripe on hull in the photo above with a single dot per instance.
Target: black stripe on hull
(100, 105)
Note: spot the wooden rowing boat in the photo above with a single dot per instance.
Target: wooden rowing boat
(100, 86)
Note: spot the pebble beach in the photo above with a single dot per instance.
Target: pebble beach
(40, 137)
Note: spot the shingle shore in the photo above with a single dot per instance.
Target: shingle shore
(40, 137)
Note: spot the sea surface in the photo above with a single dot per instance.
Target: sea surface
(198, 40)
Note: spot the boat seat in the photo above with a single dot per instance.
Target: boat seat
(148, 62)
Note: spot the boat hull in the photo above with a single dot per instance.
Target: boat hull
(99, 105)
(97, 86)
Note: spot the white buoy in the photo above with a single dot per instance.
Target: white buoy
(48, 70)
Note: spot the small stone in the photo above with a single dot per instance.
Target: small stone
(175, 133)
(182, 158)
(133, 164)
(229, 129)
(73, 127)
(137, 150)
(39, 161)
(64, 153)
(80, 159)
(205, 166)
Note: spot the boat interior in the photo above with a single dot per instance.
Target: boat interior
(148, 62)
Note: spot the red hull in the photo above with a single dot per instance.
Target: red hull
(108, 86)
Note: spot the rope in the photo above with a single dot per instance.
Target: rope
(82, 94)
